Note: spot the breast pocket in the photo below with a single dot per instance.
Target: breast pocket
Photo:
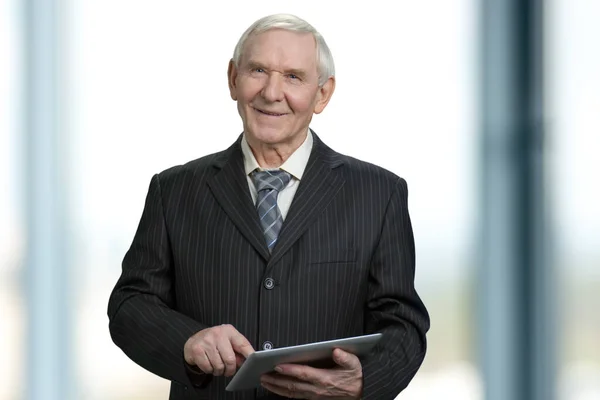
(333, 256)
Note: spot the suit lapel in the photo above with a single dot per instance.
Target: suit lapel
(230, 188)
(318, 187)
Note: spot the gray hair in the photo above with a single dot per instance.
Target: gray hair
(288, 22)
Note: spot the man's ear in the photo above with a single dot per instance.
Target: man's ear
(231, 77)
(324, 95)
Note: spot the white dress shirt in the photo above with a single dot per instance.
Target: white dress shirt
(295, 165)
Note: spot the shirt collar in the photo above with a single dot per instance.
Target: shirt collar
(295, 164)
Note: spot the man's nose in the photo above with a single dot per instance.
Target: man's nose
(273, 89)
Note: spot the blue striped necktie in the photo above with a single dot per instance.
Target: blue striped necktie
(268, 185)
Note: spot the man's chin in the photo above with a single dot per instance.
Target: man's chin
(270, 136)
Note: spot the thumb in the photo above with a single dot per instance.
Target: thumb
(345, 360)
(239, 360)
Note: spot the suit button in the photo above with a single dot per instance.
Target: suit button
(269, 283)
(267, 345)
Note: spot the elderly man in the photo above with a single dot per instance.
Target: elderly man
(276, 241)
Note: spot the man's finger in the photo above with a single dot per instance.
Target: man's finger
(241, 345)
(228, 357)
(302, 373)
(288, 387)
(189, 358)
(345, 360)
(239, 360)
(201, 360)
(215, 360)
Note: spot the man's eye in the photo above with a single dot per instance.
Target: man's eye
(259, 70)
(292, 76)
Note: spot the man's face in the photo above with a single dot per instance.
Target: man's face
(276, 86)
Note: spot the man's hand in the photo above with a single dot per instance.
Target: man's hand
(218, 350)
(304, 382)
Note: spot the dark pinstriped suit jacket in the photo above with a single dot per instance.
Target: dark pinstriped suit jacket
(343, 266)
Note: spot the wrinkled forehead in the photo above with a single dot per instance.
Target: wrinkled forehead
(278, 46)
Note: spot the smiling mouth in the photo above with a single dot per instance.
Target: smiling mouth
(272, 114)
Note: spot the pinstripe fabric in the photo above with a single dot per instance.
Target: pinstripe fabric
(343, 265)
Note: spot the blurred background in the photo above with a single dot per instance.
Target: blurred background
(97, 96)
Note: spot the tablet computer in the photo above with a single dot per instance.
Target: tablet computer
(317, 354)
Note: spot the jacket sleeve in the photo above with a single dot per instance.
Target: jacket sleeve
(393, 306)
(144, 321)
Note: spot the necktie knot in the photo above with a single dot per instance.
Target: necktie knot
(274, 180)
